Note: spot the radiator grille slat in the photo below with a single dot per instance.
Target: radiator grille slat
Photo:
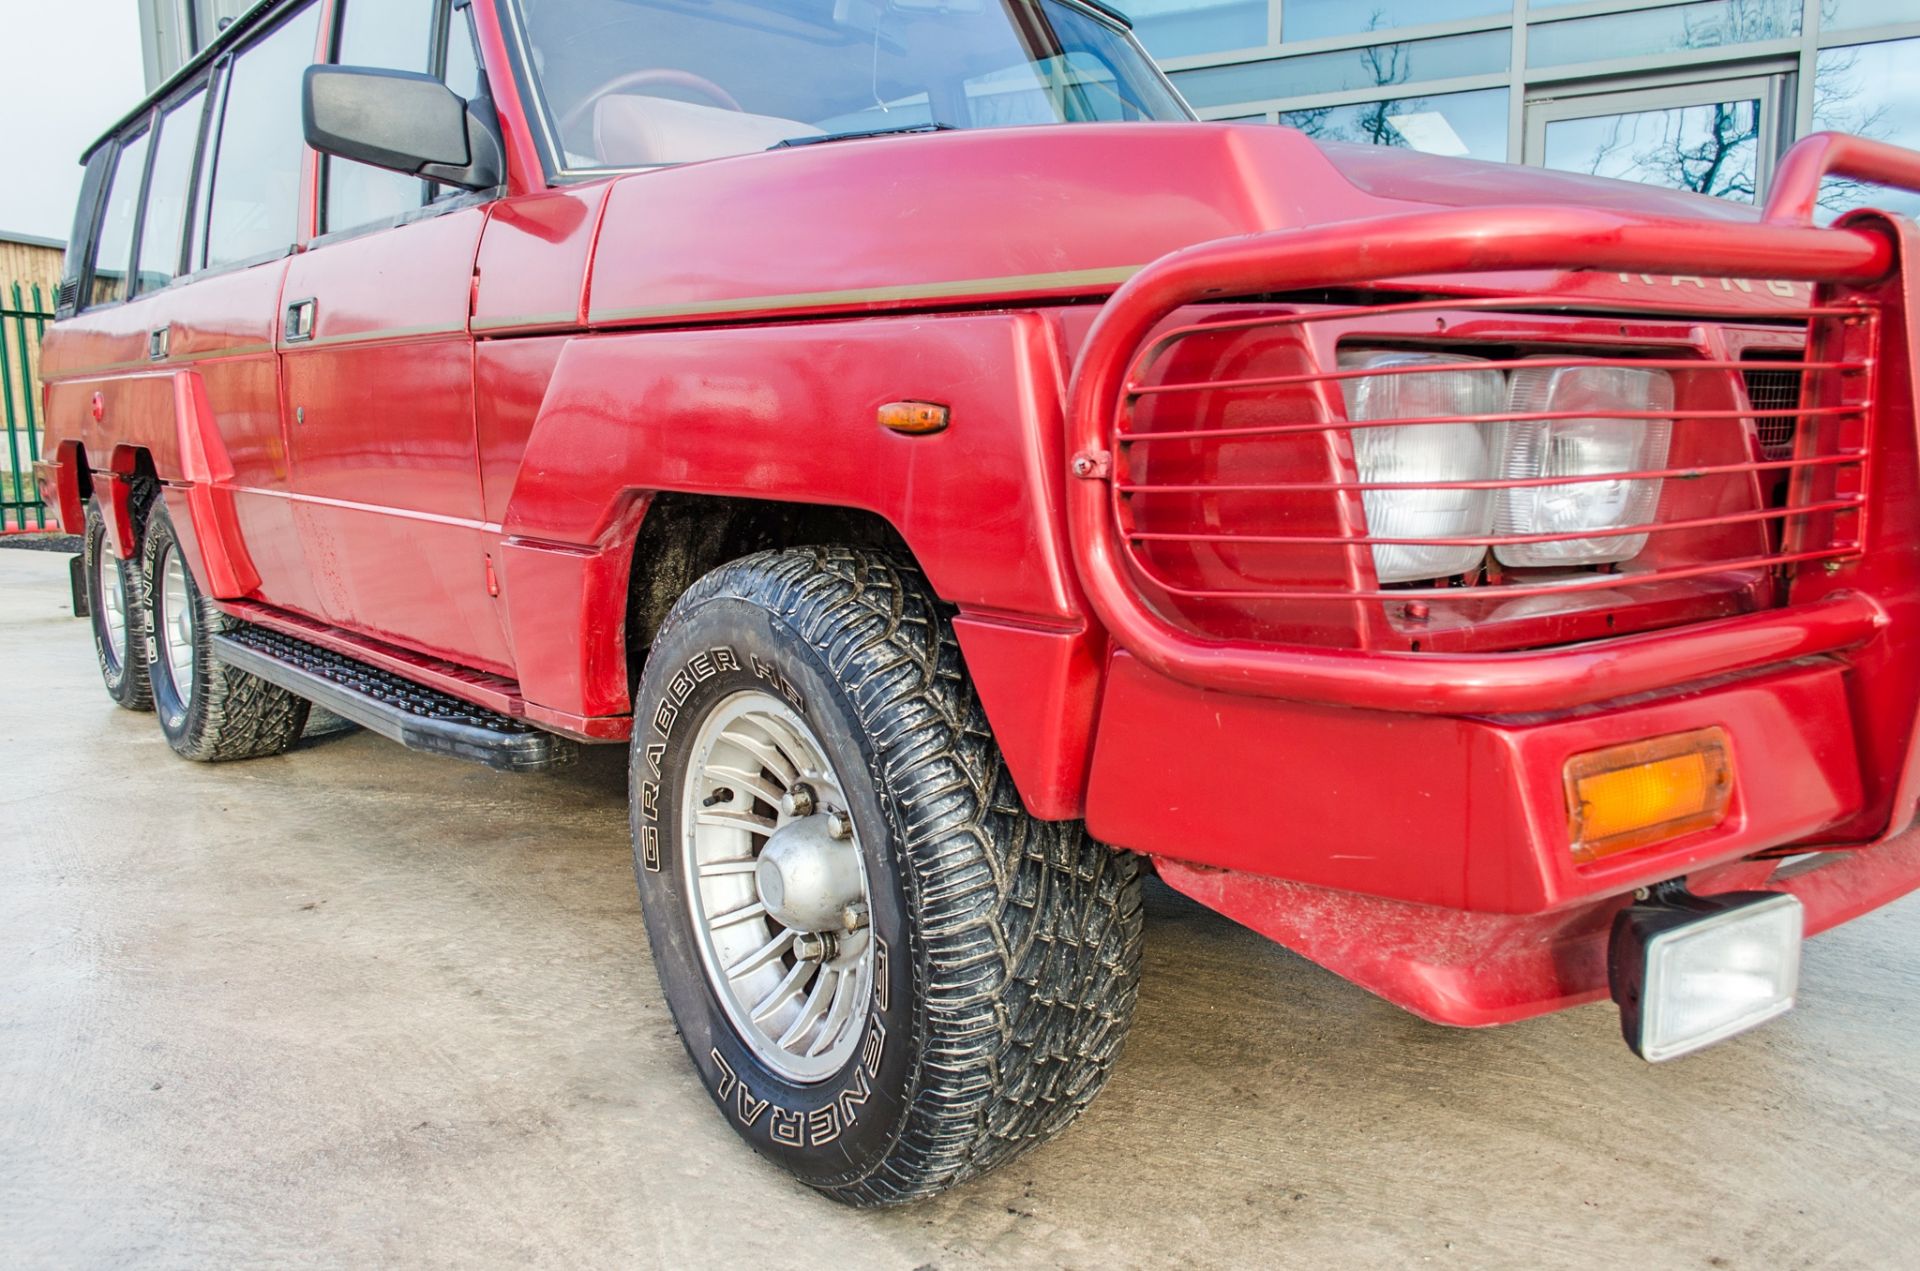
(1774, 389)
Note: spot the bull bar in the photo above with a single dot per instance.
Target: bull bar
(1782, 245)
(1478, 964)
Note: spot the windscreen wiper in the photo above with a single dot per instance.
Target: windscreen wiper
(858, 133)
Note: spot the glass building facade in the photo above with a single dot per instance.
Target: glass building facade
(172, 31)
(1696, 94)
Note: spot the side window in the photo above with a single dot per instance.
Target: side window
(1078, 85)
(80, 245)
(169, 191)
(113, 245)
(256, 182)
(427, 37)
(393, 35)
(463, 62)
(462, 72)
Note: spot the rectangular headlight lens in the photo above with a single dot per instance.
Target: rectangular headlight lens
(1580, 446)
(1689, 976)
(1420, 454)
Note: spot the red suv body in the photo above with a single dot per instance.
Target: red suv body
(1415, 559)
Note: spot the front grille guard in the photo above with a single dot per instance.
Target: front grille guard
(1823, 518)
(1108, 380)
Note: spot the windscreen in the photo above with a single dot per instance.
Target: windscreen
(639, 83)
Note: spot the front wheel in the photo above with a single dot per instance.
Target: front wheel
(209, 711)
(889, 976)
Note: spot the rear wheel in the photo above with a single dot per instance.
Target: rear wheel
(209, 711)
(889, 976)
(116, 604)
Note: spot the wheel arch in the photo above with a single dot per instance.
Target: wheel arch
(686, 536)
(655, 455)
(132, 484)
(71, 485)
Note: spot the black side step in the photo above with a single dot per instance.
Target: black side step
(414, 715)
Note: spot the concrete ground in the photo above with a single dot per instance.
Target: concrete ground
(357, 1007)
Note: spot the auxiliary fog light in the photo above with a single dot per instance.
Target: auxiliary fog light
(1644, 792)
(1418, 455)
(1583, 446)
(1690, 970)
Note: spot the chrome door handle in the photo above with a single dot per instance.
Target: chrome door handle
(300, 315)
(158, 342)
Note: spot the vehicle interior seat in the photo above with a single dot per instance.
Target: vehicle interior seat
(631, 131)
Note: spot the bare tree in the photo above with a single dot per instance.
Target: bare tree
(1838, 92)
(1716, 152)
(1385, 65)
(1720, 162)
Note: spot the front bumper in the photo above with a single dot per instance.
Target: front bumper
(1456, 812)
(1472, 970)
(1427, 858)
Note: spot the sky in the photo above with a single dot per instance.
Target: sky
(71, 68)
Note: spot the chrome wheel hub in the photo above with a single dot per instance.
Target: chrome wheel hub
(777, 887)
(173, 621)
(808, 877)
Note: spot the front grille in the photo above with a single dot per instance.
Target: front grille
(1238, 507)
(1773, 388)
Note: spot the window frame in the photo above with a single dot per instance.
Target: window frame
(76, 270)
(173, 103)
(223, 71)
(1759, 87)
(133, 133)
(455, 199)
(200, 214)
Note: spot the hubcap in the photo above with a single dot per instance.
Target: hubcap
(173, 624)
(777, 887)
(113, 604)
(807, 877)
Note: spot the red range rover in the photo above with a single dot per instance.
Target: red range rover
(966, 482)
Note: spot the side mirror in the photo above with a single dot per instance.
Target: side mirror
(401, 121)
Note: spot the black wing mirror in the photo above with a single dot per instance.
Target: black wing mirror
(403, 122)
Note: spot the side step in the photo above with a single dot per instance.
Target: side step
(418, 717)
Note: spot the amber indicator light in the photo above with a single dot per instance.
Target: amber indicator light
(914, 418)
(1645, 792)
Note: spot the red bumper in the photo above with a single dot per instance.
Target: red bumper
(1426, 857)
(1473, 970)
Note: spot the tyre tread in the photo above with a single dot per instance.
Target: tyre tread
(133, 691)
(239, 716)
(1031, 932)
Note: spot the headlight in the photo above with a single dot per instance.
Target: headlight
(1421, 454)
(1582, 447)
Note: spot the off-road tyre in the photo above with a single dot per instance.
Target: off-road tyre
(219, 713)
(123, 669)
(1011, 945)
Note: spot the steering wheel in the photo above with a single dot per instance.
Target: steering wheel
(651, 77)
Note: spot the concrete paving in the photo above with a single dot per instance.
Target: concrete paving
(356, 1007)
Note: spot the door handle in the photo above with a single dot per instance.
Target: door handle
(158, 343)
(300, 315)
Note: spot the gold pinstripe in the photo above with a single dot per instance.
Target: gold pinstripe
(961, 289)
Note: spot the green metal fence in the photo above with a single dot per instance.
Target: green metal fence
(24, 315)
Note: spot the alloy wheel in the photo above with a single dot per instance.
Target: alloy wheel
(779, 893)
